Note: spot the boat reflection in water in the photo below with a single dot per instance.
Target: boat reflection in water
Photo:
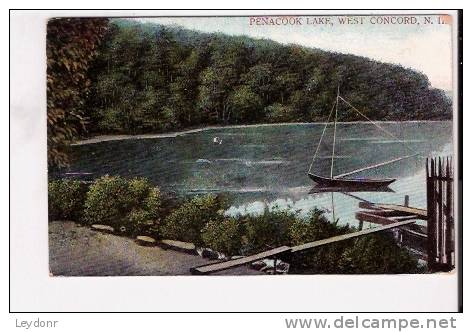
(348, 189)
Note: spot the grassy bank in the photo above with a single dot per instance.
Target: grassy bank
(135, 207)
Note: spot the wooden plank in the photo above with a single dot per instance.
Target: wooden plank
(421, 213)
(414, 233)
(215, 267)
(382, 220)
(368, 205)
(348, 236)
(398, 208)
(389, 213)
(418, 228)
(374, 217)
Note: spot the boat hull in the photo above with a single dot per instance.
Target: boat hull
(350, 183)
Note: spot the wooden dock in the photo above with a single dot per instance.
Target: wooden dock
(284, 250)
(411, 236)
(215, 267)
(348, 236)
(395, 210)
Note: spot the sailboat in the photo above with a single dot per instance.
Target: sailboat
(340, 180)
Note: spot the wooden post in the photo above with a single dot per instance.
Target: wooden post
(431, 211)
(440, 220)
(449, 215)
(407, 200)
(439, 187)
(361, 225)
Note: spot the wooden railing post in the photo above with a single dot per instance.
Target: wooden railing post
(430, 208)
(439, 204)
(449, 215)
(439, 192)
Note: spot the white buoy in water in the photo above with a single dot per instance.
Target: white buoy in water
(217, 140)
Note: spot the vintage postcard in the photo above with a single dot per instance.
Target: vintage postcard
(252, 145)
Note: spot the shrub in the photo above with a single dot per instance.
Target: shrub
(186, 222)
(269, 230)
(132, 205)
(363, 256)
(376, 253)
(224, 236)
(138, 222)
(169, 202)
(66, 199)
(315, 227)
(139, 189)
(319, 260)
(107, 201)
(153, 203)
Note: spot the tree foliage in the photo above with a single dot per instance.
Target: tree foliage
(151, 78)
(71, 45)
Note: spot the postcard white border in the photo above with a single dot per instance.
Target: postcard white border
(33, 290)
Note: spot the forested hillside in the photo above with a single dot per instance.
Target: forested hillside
(151, 78)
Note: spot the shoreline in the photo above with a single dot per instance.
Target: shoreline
(174, 134)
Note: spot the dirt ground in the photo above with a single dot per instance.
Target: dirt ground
(76, 250)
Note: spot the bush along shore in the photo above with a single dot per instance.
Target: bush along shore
(135, 208)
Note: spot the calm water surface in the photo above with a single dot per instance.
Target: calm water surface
(267, 166)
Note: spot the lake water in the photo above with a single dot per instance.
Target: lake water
(267, 165)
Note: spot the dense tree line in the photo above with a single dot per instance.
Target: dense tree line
(150, 78)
